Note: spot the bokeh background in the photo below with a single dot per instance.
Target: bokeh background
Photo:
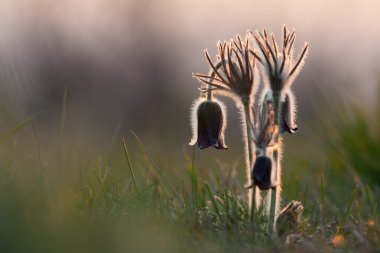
(130, 62)
(127, 65)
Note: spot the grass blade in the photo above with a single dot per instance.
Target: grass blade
(194, 183)
(322, 197)
(19, 126)
(349, 207)
(212, 199)
(130, 166)
(63, 112)
(142, 147)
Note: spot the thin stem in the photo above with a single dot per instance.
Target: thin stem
(278, 183)
(212, 76)
(249, 130)
(274, 204)
(249, 160)
(130, 166)
(273, 196)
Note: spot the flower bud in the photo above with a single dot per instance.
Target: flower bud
(208, 122)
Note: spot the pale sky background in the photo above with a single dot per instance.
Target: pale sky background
(346, 31)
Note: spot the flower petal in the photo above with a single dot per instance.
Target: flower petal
(210, 123)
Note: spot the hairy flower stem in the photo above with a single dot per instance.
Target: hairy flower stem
(209, 93)
(275, 196)
(209, 88)
(249, 157)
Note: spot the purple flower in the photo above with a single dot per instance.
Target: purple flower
(262, 173)
(287, 123)
(208, 122)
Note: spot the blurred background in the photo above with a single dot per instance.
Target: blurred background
(97, 69)
(130, 62)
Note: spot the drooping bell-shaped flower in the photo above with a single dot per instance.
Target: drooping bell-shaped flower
(287, 123)
(288, 114)
(208, 119)
(262, 173)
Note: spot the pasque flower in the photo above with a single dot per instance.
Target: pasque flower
(287, 123)
(234, 73)
(262, 173)
(208, 122)
(280, 70)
